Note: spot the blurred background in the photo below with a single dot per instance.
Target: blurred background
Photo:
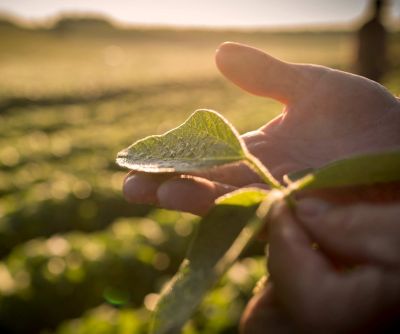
(79, 80)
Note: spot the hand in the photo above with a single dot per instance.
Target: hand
(310, 292)
(328, 115)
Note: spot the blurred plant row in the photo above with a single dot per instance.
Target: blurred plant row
(45, 281)
(74, 256)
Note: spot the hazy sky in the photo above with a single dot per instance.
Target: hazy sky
(204, 12)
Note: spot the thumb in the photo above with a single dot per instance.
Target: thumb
(260, 74)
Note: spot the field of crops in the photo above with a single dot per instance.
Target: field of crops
(75, 257)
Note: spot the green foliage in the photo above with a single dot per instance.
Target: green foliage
(216, 247)
(218, 313)
(80, 271)
(97, 211)
(203, 264)
(205, 140)
(359, 170)
(106, 319)
(58, 181)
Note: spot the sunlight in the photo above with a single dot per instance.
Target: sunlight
(224, 13)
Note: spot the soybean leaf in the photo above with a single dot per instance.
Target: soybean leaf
(213, 250)
(355, 171)
(251, 229)
(204, 140)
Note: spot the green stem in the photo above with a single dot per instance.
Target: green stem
(263, 172)
(267, 177)
(290, 201)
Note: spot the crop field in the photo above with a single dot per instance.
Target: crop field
(75, 257)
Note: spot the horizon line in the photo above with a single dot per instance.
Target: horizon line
(51, 20)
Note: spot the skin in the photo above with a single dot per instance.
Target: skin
(306, 291)
(328, 115)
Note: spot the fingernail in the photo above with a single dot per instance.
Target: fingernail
(128, 186)
(311, 209)
(129, 178)
(140, 188)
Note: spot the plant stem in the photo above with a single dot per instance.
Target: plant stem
(267, 177)
(263, 172)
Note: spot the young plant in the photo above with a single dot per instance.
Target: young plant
(207, 140)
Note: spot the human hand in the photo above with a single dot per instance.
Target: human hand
(309, 292)
(329, 114)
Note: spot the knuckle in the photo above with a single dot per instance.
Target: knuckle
(348, 219)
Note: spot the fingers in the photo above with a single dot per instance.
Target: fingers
(263, 315)
(142, 188)
(185, 193)
(191, 194)
(318, 298)
(237, 175)
(295, 268)
(260, 74)
(365, 298)
(363, 233)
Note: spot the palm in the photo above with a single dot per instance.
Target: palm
(329, 114)
(344, 114)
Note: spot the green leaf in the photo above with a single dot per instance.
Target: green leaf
(213, 250)
(355, 171)
(205, 140)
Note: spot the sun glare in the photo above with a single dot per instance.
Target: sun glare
(224, 13)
